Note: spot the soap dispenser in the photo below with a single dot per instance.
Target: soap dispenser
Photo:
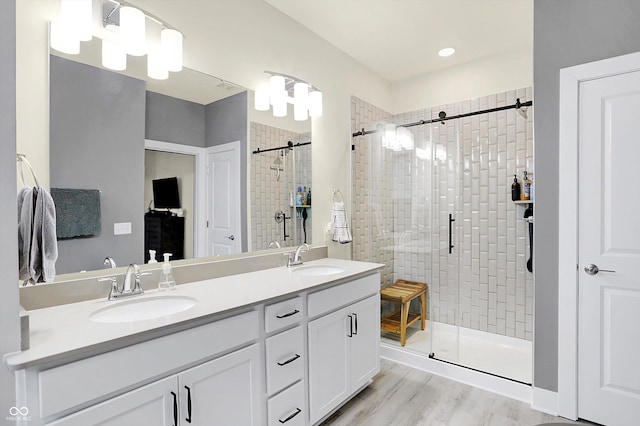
(166, 280)
(515, 189)
(152, 257)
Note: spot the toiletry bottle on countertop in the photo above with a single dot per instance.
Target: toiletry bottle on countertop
(526, 187)
(152, 256)
(166, 279)
(515, 189)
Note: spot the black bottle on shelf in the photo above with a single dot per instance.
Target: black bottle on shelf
(515, 189)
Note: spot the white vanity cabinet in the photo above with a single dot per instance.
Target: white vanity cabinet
(220, 392)
(343, 344)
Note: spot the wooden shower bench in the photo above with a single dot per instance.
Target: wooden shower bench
(402, 292)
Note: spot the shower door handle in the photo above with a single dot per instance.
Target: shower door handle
(451, 220)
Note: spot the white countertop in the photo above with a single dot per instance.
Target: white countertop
(65, 333)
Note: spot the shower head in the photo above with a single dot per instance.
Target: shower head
(277, 161)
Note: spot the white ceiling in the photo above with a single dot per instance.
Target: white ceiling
(400, 39)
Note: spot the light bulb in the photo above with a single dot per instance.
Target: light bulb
(315, 103)
(132, 31)
(63, 39)
(171, 45)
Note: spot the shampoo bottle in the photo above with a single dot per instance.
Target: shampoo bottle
(526, 187)
(515, 189)
(166, 279)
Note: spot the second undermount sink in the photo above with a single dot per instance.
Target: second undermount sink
(318, 270)
(142, 308)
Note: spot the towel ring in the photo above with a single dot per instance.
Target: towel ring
(22, 158)
(337, 194)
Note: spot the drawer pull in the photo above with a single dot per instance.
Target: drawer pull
(289, 360)
(287, 315)
(355, 316)
(175, 409)
(188, 419)
(298, 411)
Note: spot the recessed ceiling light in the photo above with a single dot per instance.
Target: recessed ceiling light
(447, 51)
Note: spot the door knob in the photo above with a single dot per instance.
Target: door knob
(231, 237)
(592, 269)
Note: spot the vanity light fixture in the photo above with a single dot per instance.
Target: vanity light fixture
(283, 90)
(447, 51)
(127, 31)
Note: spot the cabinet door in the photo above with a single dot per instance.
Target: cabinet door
(225, 391)
(152, 404)
(328, 363)
(365, 343)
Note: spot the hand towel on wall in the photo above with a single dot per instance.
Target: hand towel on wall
(77, 211)
(25, 225)
(339, 224)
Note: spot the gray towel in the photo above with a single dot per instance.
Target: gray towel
(339, 224)
(37, 244)
(78, 212)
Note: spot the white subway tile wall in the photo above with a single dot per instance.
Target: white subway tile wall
(269, 195)
(466, 169)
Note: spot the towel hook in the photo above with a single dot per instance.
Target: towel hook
(22, 158)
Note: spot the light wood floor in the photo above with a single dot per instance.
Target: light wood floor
(403, 396)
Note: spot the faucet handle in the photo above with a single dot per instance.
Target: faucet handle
(114, 286)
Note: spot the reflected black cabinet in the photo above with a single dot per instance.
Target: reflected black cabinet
(164, 234)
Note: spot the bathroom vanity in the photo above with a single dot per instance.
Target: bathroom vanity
(272, 347)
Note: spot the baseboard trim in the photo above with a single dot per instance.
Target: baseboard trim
(544, 401)
(497, 385)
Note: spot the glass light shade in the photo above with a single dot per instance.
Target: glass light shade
(132, 31)
(63, 39)
(279, 102)
(78, 16)
(261, 99)
(113, 55)
(300, 101)
(157, 66)
(171, 45)
(315, 103)
(276, 86)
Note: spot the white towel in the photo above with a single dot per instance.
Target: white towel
(339, 224)
(37, 243)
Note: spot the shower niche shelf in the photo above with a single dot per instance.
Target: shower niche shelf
(523, 202)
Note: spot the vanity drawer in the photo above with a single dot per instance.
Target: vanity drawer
(288, 407)
(285, 359)
(105, 375)
(282, 314)
(343, 294)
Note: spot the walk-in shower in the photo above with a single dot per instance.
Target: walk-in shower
(432, 202)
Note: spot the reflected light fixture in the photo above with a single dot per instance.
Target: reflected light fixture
(126, 32)
(447, 51)
(282, 90)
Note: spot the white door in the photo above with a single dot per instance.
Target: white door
(223, 199)
(152, 404)
(225, 391)
(609, 238)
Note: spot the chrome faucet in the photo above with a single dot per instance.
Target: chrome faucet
(274, 243)
(294, 257)
(109, 262)
(116, 292)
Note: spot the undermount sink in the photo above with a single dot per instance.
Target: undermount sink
(318, 270)
(142, 308)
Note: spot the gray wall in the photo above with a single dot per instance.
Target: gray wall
(8, 219)
(226, 121)
(170, 119)
(566, 33)
(97, 142)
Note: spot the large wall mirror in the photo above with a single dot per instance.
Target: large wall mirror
(128, 141)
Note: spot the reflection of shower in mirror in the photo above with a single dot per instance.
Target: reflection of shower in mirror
(277, 163)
